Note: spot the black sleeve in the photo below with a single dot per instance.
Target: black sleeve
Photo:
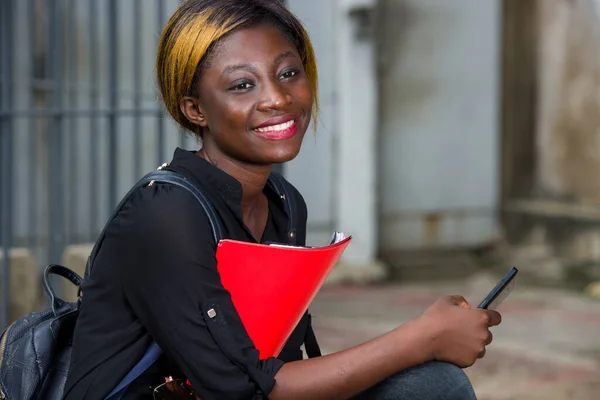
(173, 286)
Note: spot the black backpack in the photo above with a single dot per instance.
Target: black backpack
(35, 350)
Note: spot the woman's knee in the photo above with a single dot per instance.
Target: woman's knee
(447, 381)
(430, 381)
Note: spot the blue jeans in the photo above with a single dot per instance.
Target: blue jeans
(431, 381)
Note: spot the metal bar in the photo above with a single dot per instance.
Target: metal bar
(47, 84)
(4, 292)
(73, 136)
(6, 147)
(160, 140)
(77, 113)
(93, 72)
(137, 87)
(56, 167)
(113, 79)
(32, 188)
(44, 84)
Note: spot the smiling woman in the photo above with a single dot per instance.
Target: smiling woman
(192, 34)
(241, 75)
(252, 99)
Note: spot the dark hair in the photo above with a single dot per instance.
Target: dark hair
(193, 32)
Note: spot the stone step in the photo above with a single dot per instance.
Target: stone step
(24, 283)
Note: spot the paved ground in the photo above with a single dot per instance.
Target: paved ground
(548, 346)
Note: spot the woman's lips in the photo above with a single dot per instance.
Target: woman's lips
(281, 131)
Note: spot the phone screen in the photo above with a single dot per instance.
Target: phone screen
(500, 292)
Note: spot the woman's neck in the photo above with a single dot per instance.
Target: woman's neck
(252, 178)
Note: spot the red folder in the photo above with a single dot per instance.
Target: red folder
(272, 285)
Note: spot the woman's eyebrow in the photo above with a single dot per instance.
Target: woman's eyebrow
(283, 55)
(231, 68)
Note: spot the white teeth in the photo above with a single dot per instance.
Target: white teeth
(279, 127)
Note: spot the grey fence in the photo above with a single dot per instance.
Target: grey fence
(80, 120)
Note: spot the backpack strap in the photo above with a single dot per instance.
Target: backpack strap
(149, 358)
(161, 176)
(173, 178)
(283, 189)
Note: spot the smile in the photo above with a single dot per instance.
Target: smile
(281, 131)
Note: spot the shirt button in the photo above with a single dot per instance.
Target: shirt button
(211, 313)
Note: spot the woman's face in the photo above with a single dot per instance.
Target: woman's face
(254, 97)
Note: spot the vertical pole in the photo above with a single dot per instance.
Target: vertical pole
(113, 49)
(56, 169)
(356, 188)
(160, 142)
(32, 198)
(6, 152)
(520, 105)
(94, 94)
(73, 134)
(137, 87)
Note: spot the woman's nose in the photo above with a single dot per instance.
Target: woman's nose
(273, 98)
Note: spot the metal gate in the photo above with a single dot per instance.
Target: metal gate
(80, 121)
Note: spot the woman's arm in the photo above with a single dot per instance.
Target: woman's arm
(346, 373)
(447, 331)
(171, 283)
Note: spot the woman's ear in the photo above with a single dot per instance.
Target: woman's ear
(190, 107)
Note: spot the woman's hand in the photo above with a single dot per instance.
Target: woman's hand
(448, 331)
(457, 334)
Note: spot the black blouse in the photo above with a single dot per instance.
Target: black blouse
(155, 276)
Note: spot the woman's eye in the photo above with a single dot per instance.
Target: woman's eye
(242, 86)
(289, 74)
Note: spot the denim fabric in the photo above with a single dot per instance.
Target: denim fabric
(431, 381)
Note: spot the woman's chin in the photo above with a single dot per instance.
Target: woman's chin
(280, 151)
(282, 155)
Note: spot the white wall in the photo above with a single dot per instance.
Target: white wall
(439, 122)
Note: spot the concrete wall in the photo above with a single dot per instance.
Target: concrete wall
(568, 133)
(438, 122)
(435, 113)
(24, 284)
(555, 232)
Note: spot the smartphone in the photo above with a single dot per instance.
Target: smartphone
(501, 291)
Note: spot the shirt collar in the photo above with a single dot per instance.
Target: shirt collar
(227, 187)
(202, 170)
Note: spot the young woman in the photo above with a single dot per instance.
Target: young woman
(241, 76)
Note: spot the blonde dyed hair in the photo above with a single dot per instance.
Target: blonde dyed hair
(194, 30)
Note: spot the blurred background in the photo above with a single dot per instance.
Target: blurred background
(456, 138)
